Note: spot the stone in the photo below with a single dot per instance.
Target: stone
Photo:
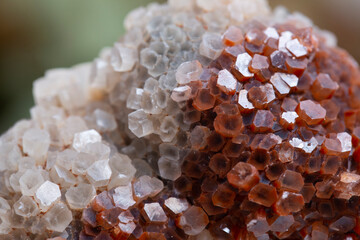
(201, 122)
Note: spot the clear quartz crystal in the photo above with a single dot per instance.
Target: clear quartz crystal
(58, 217)
(83, 138)
(47, 194)
(80, 196)
(72, 125)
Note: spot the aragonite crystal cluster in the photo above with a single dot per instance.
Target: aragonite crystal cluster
(209, 119)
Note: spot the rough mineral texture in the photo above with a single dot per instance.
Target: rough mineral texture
(209, 119)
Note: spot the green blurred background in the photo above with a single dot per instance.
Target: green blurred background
(41, 34)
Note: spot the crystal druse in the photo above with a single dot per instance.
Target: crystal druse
(209, 119)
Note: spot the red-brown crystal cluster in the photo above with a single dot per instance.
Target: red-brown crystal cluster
(279, 115)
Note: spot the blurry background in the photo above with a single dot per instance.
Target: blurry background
(41, 34)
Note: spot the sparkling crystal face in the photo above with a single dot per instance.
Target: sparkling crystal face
(199, 124)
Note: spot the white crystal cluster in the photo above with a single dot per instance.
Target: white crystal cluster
(116, 123)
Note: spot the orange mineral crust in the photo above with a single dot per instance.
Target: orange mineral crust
(272, 152)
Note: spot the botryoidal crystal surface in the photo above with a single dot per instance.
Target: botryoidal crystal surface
(209, 119)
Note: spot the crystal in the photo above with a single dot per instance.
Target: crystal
(176, 205)
(263, 121)
(311, 112)
(263, 194)
(26, 207)
(288, 202)
(226, 82)
(169, 169)
(180, 94)
(47, 195)
(4, 207)
(201, 122)
(296, 48)
(243, 176)
(81, 139)
(232, 36)
(343, 224)
(99, 173)
(58, 217)
(282, 223)
(244, 102)
(193, 221)
(242, 65)
(147, 186)
(80, 196)
(323, 87)
(271, 32)
(188, 71)
(291, 180)
(122, 170)
(104, 120)
(211, 45)
(153, 212)
(123, 197)
(123, 58)
(36, 143)
(30, 181)
(204, 100)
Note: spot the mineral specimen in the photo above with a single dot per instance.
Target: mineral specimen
(209, 119)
